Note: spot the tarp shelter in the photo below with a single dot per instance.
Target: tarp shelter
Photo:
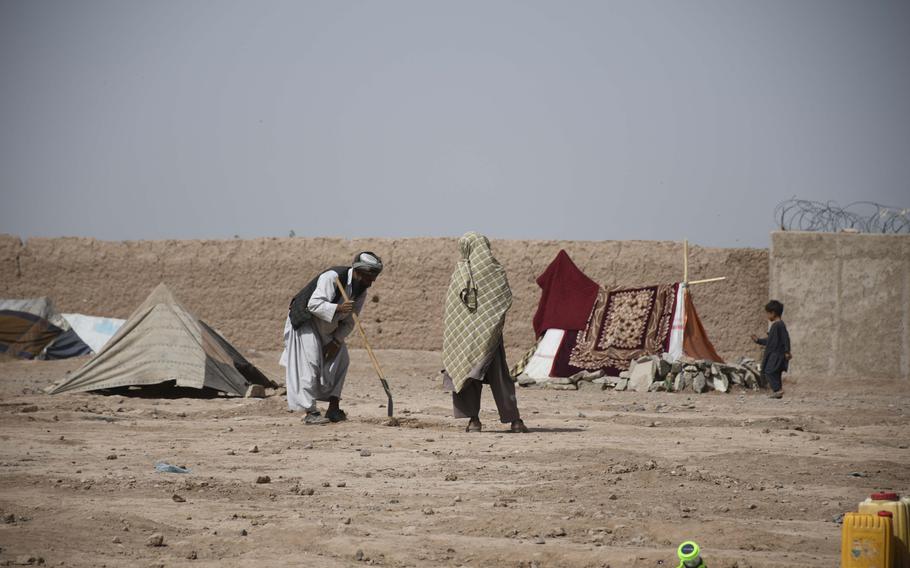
(688, 337)
(670, 327)
(163, 342)
(27, 326)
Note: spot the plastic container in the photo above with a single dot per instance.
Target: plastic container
(866, 541)
(900, 522)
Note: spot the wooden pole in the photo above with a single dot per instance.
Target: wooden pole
(706, 280)
(686, 260)
(366, 342)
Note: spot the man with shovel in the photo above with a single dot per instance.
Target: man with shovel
(320, 318)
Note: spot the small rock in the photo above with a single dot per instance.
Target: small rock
(429, 511)
(358, 556)
(112, 456)
(721, 383)
(347, 521)
(243, 532)
(526, 381)
(192, 555)
(29, 408)
(642, 374)
(178, 499)
(254, 449)
(452, 477)
(365, 453)
(700, 383)
(156, 539)
(557, 386)
(539, 541)
(116, 540)
(341, 484)
(255, 391)
(263, 479)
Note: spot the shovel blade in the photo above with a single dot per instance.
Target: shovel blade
(390, 408)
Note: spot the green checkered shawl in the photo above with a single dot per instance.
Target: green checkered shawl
(475, 311)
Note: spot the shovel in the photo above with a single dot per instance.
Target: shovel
(363, 335)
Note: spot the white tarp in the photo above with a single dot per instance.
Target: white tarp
(541, 363)
(93, 331)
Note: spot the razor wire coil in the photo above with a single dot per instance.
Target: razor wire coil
(827, 216)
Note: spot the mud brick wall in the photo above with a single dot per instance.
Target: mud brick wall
(242, 287)
(846, 302)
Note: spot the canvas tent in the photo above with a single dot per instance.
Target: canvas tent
(27, 326)
(617, 327)
(162, 342)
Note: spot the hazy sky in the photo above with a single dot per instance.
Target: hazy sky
(525, 119)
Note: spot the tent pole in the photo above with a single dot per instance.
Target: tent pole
(686, 260)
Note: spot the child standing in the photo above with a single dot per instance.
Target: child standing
(776, 358)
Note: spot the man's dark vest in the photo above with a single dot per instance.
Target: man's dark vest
(299, 312)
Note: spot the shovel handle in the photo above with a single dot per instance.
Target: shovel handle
(363, 334)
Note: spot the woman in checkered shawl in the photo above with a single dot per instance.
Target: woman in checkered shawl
(472, 347)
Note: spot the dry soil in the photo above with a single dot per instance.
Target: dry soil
(604, 479)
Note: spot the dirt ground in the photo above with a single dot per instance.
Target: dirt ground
(604, 479)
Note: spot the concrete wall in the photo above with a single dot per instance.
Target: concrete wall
(846, 302)
(242, 287)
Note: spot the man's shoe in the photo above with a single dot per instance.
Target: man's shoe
(777, 394)
(315, 418)
(518, 427)
(474, 425)
(336, 415)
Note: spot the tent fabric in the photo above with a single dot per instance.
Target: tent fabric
(541, 364)
(566, 298)
(67, 344)
(42, 307)
(161, 342)
(695, 340)
(94, 331)
(624, 325)
(24, 334)
(677, 330)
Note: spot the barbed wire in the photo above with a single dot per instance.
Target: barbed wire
(862, 216)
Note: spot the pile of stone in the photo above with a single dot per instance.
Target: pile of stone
(653, 373)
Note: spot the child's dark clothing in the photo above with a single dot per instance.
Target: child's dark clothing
(774, 361)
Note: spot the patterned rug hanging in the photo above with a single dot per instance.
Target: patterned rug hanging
(623, 326)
